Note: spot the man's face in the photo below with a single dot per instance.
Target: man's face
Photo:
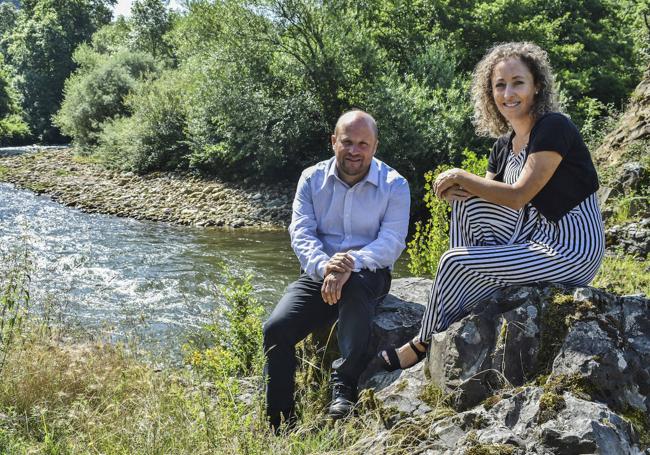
(354, 146)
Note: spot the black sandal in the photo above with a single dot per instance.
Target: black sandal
(393, 359)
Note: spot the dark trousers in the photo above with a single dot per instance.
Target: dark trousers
(301, 311)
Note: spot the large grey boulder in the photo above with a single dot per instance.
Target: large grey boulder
(397, 320)
(545, 369)
(519, 423)
(595, 338)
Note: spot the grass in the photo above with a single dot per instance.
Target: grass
(623, 275)
(62, 396)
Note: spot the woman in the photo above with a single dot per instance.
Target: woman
(534, 217)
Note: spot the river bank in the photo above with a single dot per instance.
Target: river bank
(181, 199)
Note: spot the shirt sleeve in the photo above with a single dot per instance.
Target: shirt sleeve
(551, 134)
(493, 159)
(391, 239)
(303, 232)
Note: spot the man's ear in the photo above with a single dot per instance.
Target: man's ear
(333, 139)
(376, 146)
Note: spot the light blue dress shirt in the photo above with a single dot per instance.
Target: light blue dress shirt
(368, 220)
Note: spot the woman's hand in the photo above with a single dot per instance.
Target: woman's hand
(446, 181)
(456, 193)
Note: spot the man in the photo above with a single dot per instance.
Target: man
(349, 224)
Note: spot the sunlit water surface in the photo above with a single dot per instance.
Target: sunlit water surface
(130, 280)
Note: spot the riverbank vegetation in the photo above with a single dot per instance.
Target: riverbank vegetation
(245, 88)
(64, 393)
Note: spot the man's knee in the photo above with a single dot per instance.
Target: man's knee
(274, 332)
(365, 287)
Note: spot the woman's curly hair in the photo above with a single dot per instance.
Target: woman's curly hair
(487, 120)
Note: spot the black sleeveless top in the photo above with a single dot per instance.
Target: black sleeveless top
(574, 179)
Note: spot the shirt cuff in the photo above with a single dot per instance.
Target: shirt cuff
(320, 269)
(358, 263)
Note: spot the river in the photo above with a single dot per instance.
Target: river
(128, 280)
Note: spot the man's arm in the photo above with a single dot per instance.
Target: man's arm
(303, 231)
(390, 242)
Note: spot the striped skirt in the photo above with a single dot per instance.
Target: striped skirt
(493, 246)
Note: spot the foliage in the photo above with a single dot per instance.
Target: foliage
(588, 42)
(13, 129)
(15, 269)
(97, 94)
(154, 137)
(108, 40)
(424, 118)
(235, 337)
(431, 237)
(8, 15)
(41, 45)
(148, 25)
(263, 81)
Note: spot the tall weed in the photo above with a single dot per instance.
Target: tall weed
(431, 237)
(15, 268)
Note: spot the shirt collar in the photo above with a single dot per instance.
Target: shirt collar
(371, 177)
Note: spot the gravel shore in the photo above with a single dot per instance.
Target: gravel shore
(176, 198)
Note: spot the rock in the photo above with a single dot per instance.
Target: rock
(592, 348)
(632, 238)
(630, 178)
(402, 392)
(397, 320)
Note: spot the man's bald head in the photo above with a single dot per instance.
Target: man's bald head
(356, 115)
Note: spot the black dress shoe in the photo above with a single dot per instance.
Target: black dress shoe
(344, 397)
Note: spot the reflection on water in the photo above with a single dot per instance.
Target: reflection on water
(132, 278)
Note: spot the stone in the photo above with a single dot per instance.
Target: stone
(402, 392)
(593, 346)
(632, 238)
(397, 320)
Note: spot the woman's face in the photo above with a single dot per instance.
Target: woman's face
(513, 89)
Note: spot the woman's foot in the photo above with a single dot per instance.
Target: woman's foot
(404, 357)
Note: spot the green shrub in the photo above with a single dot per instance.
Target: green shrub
(431, 237)
(233, 342)
(96, 95)
(421, 126)
(239, 129)
(13, 130)
(42, 42)
(154, 137)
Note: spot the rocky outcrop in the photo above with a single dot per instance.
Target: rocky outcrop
(176, 198)
(633, 127)
(544, 369)
(622, 157)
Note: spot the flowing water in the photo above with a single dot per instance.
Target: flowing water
(125, 279)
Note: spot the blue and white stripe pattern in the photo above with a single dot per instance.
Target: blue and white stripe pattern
(492, 246)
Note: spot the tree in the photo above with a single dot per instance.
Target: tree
(8, 16)
(149, 22)
(96, 93)
(13, 129)
(41, 47)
